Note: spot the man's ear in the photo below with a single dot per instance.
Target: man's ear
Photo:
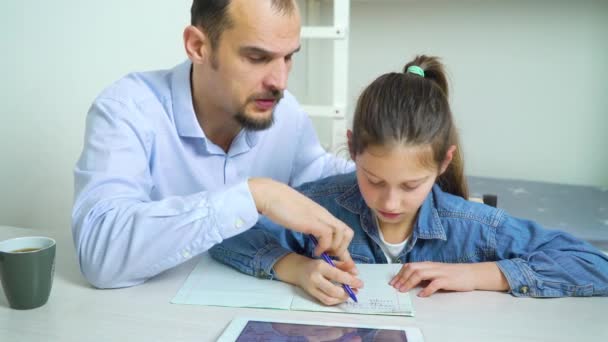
(196, 44)
(349, 138)
(449, 155)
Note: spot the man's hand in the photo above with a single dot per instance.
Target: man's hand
(291, 209)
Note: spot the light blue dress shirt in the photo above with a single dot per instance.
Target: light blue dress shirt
(151, 191)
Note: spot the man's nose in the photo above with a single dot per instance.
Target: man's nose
(277, 77)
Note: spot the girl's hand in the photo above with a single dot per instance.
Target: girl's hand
(451, 277)
(318, 278)
(324, 281)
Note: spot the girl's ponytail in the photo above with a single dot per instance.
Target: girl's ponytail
(452, 180)
(433, 70)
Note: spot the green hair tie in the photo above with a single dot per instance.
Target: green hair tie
(414, 69)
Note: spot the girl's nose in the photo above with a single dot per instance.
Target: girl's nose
(391, 202)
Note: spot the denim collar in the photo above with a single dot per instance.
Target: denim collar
(428, 224)
(185, 118)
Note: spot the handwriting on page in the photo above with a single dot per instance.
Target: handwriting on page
(373, 305)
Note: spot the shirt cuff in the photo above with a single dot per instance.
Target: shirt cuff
(520, 277)
(266, 257)
(235, 210)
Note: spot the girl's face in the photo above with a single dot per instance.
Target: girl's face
(394, 182)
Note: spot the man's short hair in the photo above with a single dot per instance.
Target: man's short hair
(212, 15)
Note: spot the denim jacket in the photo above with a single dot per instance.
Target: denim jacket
(536, 262)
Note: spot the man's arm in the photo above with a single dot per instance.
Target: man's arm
(122, 237)
(311, 162)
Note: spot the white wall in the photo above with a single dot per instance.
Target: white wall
(56, 57)
(529, 82)
(529, 78)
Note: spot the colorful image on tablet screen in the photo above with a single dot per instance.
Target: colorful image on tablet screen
(291, 332)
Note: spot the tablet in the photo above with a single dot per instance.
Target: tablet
(246, 329)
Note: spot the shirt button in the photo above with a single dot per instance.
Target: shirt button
(239, 223)
(186, 254)
(523, 289)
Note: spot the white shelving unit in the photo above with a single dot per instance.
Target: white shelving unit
(338, 33)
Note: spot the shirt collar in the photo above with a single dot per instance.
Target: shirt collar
(428, 224)
(183, 109)
(352, 200)
(243, 142)
(252, 137)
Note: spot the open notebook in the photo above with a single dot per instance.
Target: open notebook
(212, 283)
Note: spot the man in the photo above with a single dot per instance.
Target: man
(177, 161)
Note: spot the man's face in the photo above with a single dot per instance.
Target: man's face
(251, 62)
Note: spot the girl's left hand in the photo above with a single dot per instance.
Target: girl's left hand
(440, 276)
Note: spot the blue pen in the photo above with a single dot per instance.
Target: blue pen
(329, 261)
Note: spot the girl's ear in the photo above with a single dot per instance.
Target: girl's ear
(349, 138)
(449, 155)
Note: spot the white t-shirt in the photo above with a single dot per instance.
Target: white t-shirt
(391, 250)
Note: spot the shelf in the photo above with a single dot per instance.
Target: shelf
(323, 32)
(324, 111)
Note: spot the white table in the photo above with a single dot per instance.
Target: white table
(78, 312)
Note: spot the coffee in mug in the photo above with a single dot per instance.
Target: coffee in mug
(25, 250)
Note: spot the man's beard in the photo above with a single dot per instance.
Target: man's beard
(252, 124)
(249, 123)
(255, 124)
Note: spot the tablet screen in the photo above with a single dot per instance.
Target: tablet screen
(291, 332)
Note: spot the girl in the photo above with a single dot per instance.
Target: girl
(406, 203)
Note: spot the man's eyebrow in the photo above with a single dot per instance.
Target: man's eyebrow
(261, 51)
(296, 50)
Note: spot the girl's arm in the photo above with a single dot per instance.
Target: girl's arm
(531, 262)
(540, 262)
(489, 277)
(255, 251)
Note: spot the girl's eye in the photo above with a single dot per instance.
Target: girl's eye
(409, 188)
(377, 184)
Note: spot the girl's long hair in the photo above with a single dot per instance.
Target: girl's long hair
(406, 108)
